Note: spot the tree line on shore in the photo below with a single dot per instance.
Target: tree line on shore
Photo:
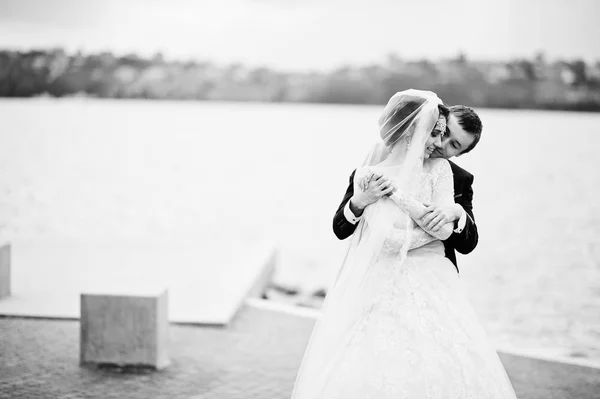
(534, 83)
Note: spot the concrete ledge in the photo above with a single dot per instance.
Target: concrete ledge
(5, 270)
(284, 308)
(124, 330)
(263, 279)
(551, 358)
(207, 283)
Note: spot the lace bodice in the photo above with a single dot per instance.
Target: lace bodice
(436, 185)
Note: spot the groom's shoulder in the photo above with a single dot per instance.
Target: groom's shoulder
(459, 172)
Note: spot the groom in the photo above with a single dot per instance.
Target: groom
(462, 135)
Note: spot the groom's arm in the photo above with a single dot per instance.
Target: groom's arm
(344, 221)
(465, 240)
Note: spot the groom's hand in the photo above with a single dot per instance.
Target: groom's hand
(437, 215)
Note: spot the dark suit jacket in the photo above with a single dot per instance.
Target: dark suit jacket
(463, 242)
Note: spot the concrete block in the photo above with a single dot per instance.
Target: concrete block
(124, 330)
(4, 270)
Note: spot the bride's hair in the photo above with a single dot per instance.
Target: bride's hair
(444, 110)
(393, 126)
(400, 122)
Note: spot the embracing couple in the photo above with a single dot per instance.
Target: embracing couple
(396, 322)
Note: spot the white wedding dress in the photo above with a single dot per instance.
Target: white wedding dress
(407, 329)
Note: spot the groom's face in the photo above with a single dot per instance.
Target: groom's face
(455, 141)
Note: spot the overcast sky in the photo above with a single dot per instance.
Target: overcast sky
(299, 34)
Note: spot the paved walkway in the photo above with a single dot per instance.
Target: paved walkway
(257, 356)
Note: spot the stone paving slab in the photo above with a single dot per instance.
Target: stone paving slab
(257, 356)
(207, 284)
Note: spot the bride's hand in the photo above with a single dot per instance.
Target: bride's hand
(373, 187)
(364, 182)
(437, 215)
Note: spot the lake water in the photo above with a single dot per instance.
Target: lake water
(212, 171)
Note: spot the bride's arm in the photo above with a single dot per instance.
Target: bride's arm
(416, 211)
(443, 190)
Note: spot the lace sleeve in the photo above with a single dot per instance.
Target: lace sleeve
(419, 237)
(442, 190)
(443, 183)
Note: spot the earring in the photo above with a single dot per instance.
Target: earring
(407, 143)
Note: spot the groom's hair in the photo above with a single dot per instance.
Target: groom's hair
(468, 120)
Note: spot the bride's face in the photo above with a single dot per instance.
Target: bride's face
(433, 142)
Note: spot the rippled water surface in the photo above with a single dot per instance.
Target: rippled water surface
(210, 171)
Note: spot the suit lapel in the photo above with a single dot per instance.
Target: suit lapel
(457, 181)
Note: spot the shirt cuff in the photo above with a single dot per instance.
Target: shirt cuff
(462, 222)
(350, 217)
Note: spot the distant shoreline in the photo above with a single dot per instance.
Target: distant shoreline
(536, 83)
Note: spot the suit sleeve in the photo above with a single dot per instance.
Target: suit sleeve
(466, 241)
(342, 228)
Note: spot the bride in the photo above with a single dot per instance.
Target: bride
(396, 322)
